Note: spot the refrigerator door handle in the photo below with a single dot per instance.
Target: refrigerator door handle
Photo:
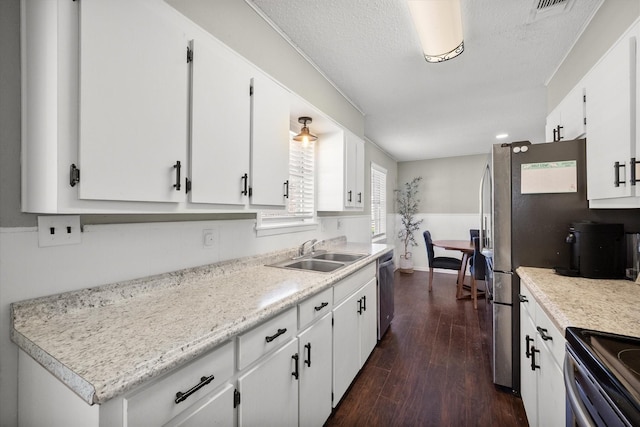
(483, 237)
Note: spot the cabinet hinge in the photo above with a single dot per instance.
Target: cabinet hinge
(250, 191)
(74, 175)
(584, 98)
(250, 90)
(236, 398)
(585, 120)
(332, 319)
(331, 397)
(187, 185)
(189, 54)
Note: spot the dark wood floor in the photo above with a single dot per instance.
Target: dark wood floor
(431, 368)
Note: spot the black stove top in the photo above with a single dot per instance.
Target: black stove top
(614, 361)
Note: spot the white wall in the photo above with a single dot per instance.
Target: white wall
(117, 252)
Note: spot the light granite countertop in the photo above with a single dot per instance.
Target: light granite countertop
(603, 305)
(104, 341)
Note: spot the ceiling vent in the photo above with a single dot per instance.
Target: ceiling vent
(544, 8)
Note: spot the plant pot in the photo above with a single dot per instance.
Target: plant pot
(406, 263)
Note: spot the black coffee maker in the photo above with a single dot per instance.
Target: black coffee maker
(597, 250)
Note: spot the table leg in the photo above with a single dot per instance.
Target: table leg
(461, 274)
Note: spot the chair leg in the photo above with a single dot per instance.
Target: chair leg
(474, 291)
(430, 278)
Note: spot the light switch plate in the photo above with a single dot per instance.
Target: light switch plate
(58, 230)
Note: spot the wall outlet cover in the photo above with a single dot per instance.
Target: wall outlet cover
(58, 230)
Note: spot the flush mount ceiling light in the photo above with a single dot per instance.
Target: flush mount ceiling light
(304, 135)
(439, 26)
(502, 135)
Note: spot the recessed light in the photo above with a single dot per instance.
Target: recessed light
(502, 135)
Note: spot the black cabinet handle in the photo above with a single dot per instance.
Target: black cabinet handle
(528, 340)
(296, 368)
(360, 306)
(559, 137)
(633, 171)
(349, 193)
(276, 335)
(245, 179)
(522, 298)
(364, 303)
(533, 358)
(177, 167)
(616, 167)
(321, 306)
(555, 135)
(544, 334)
(308, 361)
(359, 197)
(181, 397)
(286, 191)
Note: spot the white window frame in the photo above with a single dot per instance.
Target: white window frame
(301, 169)
(378, 202)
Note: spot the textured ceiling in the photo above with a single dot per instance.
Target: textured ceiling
(415, 110)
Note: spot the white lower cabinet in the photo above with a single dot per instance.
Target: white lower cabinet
(541, 359)
(354, 336)
(269, 391)
(314, 348)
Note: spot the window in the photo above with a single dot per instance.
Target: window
(378, 201)
(300, 208)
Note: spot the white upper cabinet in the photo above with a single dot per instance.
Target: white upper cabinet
(567, 120)
(611, 136)
(340, 172)
(269, 178)
(133, 103)
(220, 125)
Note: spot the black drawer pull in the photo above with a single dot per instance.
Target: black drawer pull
(528, 349)
(533, 358)
(308, 361)
(177, 167)
(295, 372)
(544, 334)
(276, 335)
(181, 397)
(245, 179)
(321, 306)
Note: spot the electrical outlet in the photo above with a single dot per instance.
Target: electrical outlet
(210, 238)
(59, 230)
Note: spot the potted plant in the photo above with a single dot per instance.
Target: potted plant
(408, 208)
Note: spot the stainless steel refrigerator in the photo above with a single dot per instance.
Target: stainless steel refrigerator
(529, 196)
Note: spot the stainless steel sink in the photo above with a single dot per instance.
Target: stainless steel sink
(341, 257)
(313, 264)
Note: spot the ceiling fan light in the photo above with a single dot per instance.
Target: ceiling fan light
(305, 135)
(439, 27)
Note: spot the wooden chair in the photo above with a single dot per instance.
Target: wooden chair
(444, 262)
(478, 270)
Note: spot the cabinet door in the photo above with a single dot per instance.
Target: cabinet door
(528, 377)
(315, 373)
(572, 114)
(359, 167)
(133, 102)
(269, 143)
(269, 391)
(351, 155)
(553, 121)
(346, 346)
(368, 321)
(220, 123)
(609, 136)
(214, 410)
(551, 391)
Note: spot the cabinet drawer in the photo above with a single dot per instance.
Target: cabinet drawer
(155, 404)
(350, 284)
(556, 344)
(315, 307)
(527, 301)
(266, 337)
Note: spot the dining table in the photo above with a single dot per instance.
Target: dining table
(464, 246)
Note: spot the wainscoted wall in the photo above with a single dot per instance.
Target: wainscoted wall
(442, 227)
(118, 252)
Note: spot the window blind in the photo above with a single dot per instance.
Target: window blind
(378, 200)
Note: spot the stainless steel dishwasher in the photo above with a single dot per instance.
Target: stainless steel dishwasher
(386, 269)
